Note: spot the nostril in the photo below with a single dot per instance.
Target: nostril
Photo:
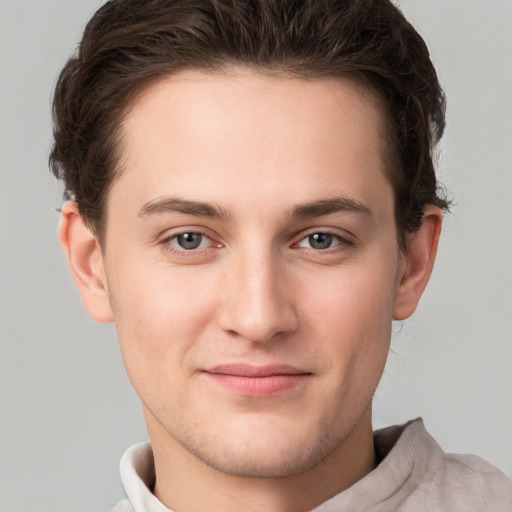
(254, 304)
(261, 328)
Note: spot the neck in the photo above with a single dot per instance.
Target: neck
(186, 484)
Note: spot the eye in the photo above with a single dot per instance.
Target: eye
(190, 241)
(320, 241)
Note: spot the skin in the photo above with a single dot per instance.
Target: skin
(261, 169)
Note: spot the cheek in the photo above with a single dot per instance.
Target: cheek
(352, 320)
(159, 315)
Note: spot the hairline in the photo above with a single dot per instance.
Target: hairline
(369, 92)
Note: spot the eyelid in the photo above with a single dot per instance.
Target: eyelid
(345, 241)
(336, 238)
(171, 234)
(341, 234)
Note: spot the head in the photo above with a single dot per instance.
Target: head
(129, 45)
(252, 192)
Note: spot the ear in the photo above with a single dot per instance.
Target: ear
(85, 261)
(417, 263)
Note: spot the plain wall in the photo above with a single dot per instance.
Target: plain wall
(67, 409)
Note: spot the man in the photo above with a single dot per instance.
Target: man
(252, 201)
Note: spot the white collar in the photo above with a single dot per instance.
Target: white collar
(400, 442)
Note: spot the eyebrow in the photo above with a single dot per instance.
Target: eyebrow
(176, 204)
(302, 211)
(329, 206)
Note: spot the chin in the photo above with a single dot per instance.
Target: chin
(272, 462)
(264, 451)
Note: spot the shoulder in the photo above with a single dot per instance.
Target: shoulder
(470, 479)
(123, 506)
(446, 481)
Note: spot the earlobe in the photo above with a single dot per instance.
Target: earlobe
(418, 264)
(85, 261)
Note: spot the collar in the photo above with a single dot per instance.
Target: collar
(405, 451)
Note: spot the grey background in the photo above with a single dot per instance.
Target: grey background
(67, 409)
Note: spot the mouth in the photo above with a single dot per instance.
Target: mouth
(251, 380)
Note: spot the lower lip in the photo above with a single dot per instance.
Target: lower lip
(258, 386)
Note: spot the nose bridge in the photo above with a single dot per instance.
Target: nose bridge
(258, 303)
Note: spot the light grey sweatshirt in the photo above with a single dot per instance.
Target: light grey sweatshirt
(414, 475)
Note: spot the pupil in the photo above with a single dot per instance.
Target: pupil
(320, 240)
(190, 240)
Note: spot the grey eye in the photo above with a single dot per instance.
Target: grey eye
(189, 241)
(320, 240)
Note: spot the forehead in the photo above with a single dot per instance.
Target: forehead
(259, 99)
(223, 136)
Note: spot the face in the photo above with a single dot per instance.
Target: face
(252, 264)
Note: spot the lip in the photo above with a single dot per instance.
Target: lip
(253, 380)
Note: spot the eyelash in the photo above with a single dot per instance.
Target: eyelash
(174, 249)
(342, 243)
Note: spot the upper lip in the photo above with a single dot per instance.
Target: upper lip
(249, 370)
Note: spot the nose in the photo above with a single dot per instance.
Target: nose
(257, 299)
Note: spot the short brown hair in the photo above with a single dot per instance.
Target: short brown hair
(130, 44)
